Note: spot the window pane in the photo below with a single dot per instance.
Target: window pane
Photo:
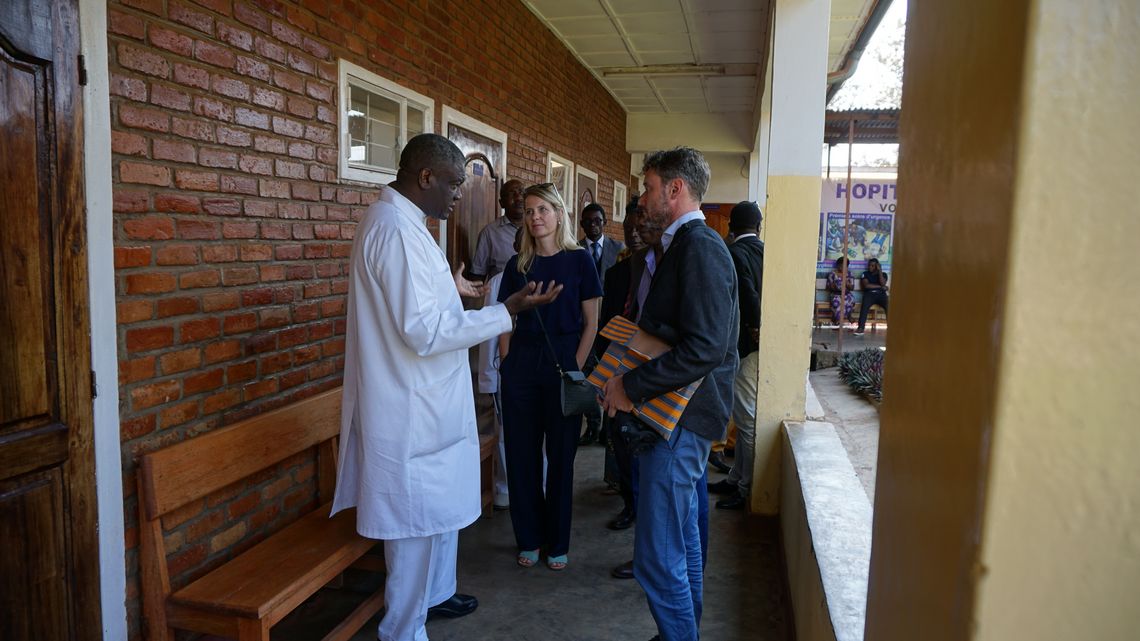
(384, 139)
(373, 128)
(415, 121)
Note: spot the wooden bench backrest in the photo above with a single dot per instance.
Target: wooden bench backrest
(176, 475)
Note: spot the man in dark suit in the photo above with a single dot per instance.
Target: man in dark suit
(691, 304)
(604, 252)
(747, 251)
(602, 249)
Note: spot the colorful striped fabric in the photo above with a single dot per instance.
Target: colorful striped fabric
(661, 413)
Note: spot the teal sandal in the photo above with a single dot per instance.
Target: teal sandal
(557, 563)
(527, 558)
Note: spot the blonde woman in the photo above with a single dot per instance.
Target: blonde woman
(530, 383)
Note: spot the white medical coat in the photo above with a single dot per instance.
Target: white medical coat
(409, 445)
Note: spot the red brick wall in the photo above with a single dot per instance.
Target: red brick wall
(232, 230)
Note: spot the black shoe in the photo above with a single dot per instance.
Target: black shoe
(623, 521)
(589, 437)
(733, 502)
(716, 459)
(457, 606)
(722, 487)
(623, 571)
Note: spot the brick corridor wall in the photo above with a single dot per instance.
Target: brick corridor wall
(232, 229)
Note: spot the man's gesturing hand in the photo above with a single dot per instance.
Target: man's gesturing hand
(468, 289)
(532, 295)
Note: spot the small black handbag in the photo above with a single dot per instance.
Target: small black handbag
(578, 396)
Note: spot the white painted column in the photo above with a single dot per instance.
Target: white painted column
(794, 131)
(758, 160)
(101, 292)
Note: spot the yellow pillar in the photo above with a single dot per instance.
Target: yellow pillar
(1008, 493)
(791, 222)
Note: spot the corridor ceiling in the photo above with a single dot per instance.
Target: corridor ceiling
(635, 47)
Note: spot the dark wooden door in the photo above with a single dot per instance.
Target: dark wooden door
(480, 202)
(49, 562)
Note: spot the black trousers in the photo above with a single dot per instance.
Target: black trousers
(624, 459)
(871, 297)
(532, 418)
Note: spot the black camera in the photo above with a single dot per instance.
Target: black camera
(638, 436)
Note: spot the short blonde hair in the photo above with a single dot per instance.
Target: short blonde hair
(564, 236)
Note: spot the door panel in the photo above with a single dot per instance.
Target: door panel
(49, 561)
(33, 571)
(28, 328)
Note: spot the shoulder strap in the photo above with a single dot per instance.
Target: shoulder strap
(542, 326)
(549, 345)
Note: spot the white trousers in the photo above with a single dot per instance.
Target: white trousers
(421, 573)
(499, 468)
(744, 388)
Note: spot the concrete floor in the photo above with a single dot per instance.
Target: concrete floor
(828, 338)
(856, 421)
(745, 593)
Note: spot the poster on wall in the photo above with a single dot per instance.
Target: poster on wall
(870, 231)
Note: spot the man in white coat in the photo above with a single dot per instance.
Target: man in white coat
(409, 446)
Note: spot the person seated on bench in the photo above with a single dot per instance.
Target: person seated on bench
(834, 283)
(409, 444)
(874, 284)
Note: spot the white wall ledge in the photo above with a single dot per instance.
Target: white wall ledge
(826, 525)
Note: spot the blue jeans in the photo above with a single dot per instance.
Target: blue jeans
(668, 559)
(702, 506)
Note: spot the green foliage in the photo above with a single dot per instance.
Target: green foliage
(863, 371)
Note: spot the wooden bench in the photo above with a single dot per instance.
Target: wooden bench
(822, 314)
(252, 592)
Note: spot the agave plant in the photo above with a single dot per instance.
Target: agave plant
(863, 371)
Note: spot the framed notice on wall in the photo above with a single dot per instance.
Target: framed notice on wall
(621, 197)
(586, 190)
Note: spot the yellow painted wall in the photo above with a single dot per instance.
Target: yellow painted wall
(1061, 536)
(791, 231)
(715, 132)
(1008, 493)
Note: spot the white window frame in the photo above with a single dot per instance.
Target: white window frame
(359, 76)
(552, 158)
(621, 197)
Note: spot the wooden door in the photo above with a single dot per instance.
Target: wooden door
(480, 202)
(49, 561)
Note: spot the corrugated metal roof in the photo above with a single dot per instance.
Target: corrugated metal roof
(871, 126)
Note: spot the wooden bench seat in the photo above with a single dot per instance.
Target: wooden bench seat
(312, 550)
(248, 594)
(822, 313)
